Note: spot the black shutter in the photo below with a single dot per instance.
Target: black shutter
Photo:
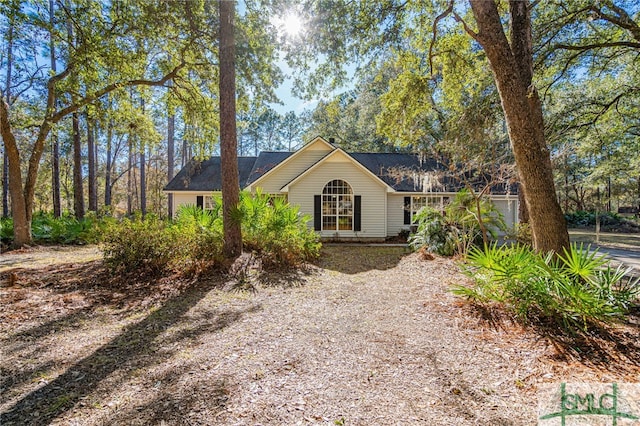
(357, 213)
(200, 201)
(317, 212)
(407, 210)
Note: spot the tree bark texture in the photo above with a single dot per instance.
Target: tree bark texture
(78, 190)
(19, 206)
(143, 181)
(171, 129)
(55, 144)
(91, 166)
(228, 139)
(511, 66)
(108, 166)
(7, 93)
(130, 179)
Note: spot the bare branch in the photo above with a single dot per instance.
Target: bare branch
(467, 28)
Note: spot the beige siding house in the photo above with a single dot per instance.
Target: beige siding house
(350, 196)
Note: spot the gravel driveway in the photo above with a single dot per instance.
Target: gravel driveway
(370, 336)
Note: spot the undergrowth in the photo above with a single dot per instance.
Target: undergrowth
(47, 229)
(577, 289)
(272, 229)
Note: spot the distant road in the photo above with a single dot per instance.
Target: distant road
(624, 248)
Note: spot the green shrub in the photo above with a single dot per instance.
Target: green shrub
(6, 230)
(459, 228)
(276, 231)
(199, 233)
(272, 229)
(435, 233)
(582, 219)
(520, 233)
(47, 229)
(139, 244)
(577, 288)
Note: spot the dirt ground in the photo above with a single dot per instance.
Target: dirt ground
(369, 336)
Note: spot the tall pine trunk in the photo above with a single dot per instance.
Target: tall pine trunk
(91, 165)
(55, 144)
(228, 138)
(130, 179)
(78, 190)
(7, 92)
(171, 129)
(512, 68)
(143, 180)
(108, 166)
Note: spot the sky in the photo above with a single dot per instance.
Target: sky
(291, 25)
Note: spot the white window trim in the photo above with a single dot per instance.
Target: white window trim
(338, 198)
(415, 206)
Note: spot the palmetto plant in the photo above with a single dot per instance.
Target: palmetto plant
(576, 288)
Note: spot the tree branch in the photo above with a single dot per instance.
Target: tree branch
(623, 20)
(440, 17)
(631, 44)
(467, 28)
(110, 88)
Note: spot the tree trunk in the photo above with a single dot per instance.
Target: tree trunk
(91, 165)
(21, 211)
(107, 173)
(7, 92)
(130, 180)
(171, 128)
(523, 212)
(228, 138)
(55, 144)
(143, 181)
(512, 69)
(78, 190)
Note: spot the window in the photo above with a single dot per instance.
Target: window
(209, 203)
(337, 206)
(415, 203)
(206, 202)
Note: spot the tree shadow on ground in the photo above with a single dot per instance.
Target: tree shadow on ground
(198, 403)
(610, 347)
(74, 292)
(136, 345)
(614, 347)
(354, 259)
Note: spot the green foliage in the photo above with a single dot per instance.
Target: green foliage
(578, 288)
(6, 230)
(139, 244)
(520, 233)
(581, 219)
(459, 228)
(271, 228)
(47, 229)
(435, 232)
(276, 230)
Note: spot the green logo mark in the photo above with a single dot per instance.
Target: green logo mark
(589, 404)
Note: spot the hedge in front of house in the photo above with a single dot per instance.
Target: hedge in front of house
(275, 231)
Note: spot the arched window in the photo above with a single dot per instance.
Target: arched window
(337, 206)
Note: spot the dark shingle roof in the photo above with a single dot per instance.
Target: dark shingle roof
(206, 175)
(265, 162)
(402, 172)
